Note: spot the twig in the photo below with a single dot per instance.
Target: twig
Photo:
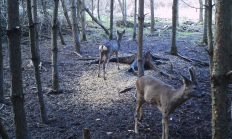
(2, 106)
(125, 90)
(77, 54)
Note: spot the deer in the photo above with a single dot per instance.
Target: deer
(164, 96)
(108, 49)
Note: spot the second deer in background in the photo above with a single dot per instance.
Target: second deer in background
(109, 48)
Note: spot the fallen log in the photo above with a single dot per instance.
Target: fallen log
(150, 62)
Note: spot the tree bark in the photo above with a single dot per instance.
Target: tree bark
(140, 39)
(174, 16)
(152, 17)
(98, 10)
(2, 98)
(3, 132)
(83, 21)
(55, 72)
(16, 94)
(76, 40)
(78, 11)
(210, 34)
(66, 14)
(111, 19)
(98, 22)
(135, 20)
(36, 62)
(204, 40)
(219, 82)
(123, 13)
(35, 20)
(201, 11)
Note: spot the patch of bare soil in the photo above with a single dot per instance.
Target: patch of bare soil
(94, 103)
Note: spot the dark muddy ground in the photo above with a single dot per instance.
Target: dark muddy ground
(93, 103)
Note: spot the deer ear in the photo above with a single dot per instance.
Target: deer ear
(123, 31)
(185, 80)
(192, 73)
(117, 32)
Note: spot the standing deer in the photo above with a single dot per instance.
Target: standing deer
(165, 97)
(109, 48)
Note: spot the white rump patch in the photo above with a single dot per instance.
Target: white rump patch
(102, 47)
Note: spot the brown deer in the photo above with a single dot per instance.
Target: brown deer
(165, 97)
(109, 48)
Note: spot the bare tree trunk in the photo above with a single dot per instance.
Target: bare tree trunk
(3, 132)
(61, 36)
(152, 17)
(201, 11)
(135, 21)
(35, 60)
(83, 21)
(78, 11)
(55, 72)
(123, 13)
(98, 9)
(45, 12)
(76, 40)
(174, 14)
(140, 39)
(35, 20)
(98, 22)
(210, 35)
(204, 40)
(219, 82)
(92, 7)
(111, 19)
(16, 94)
(2, 98)
(66, 14)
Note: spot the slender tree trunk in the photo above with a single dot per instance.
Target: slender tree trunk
(35, 20)
(174, 14)
(35, 60)
(123, 14)
(201, 11)
(152, 17)
(111, 19)
(92, 8)
(3, 132)
(83, 21)
(204, 40)
(45, 12)
(135, 21)
(78, 11)
(98, 10)
(140, 39)
(76, 40)
(66, 14)
(219, 82)
(2, 98)
(61, 36)
(55, 71)
(16, 94)
(210, 34)
(125, 9)
(230, 48)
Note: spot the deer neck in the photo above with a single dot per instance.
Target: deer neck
(178, 98)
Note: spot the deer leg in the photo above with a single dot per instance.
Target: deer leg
(165, 127)
(99, 72)
(104, 65)
(138, 107)
(117, 60)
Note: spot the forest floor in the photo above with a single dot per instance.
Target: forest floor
(94, 103)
